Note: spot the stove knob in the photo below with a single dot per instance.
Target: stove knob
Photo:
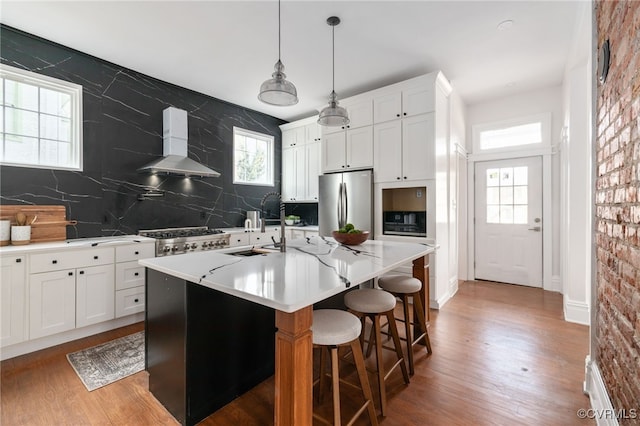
(166, 249)
(194, 246)
(205, 245)
(174, 248)
(187, 247)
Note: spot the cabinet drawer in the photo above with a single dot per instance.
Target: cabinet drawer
(239, 239)
(129, 301)
(129, 274)
(135, 251)
(44, 262)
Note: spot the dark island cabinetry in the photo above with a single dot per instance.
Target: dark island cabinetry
(204, 348)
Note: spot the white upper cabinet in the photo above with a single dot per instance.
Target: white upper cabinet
(400, 103)
(360, 115)
(348, 150)
(300, 160)
(293, 137)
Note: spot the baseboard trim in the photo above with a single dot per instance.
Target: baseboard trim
(29, 346)
(601, 408)
(442, 300)
(577, 312)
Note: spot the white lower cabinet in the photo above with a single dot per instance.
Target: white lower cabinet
(52, 303)
(130, 278)
(237, 239)
(13, 283)
(95, 289)
(129, 301)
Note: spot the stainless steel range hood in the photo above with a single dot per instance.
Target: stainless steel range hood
(174, 148)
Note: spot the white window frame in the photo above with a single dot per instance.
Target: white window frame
(270, 160)
(46, 82)
(544, 119)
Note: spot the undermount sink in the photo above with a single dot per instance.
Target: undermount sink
(254, 252)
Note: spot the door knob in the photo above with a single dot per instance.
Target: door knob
(535, 228)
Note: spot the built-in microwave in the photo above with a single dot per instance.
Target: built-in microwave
(409, 223)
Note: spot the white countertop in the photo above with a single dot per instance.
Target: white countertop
(309, 271)
(74, 243)
(269, 228)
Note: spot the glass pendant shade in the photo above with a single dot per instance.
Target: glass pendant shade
(333, 115)
(277, 90)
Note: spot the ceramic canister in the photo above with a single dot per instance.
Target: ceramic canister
(5, 232)
(20, 235)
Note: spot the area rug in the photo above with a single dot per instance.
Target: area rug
(106, 363)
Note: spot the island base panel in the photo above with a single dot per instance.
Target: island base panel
(219, 345)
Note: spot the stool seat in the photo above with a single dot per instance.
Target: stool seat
(369, 300)
(334, 327)
(400, 284)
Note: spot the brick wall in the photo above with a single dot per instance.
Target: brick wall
(617, 343)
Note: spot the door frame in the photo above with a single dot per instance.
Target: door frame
(547, 217)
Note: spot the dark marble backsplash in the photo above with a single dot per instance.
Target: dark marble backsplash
(122, 130)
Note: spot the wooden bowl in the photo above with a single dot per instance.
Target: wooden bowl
(350, 239)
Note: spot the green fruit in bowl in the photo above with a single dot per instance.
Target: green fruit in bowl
(342, 231)
(354, 231)
(349, 226)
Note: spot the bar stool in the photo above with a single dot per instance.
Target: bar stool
(333, 328)
(372, 304)
(403, 287)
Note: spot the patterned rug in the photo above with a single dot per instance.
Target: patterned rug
(106, 363)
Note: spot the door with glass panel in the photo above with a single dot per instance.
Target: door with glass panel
(508, 221)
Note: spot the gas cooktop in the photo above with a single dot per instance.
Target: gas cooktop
(183, 240)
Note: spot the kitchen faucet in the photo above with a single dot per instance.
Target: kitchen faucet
(282, 243)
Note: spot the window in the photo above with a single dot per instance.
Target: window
(521, 133)
(507, 195)
(41, 123)
(252, 158)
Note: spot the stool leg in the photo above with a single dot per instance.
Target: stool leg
(364, 381)
(335, 379)
(396, 342)
(421, 320)
(407, 330)
(380, 365)
(371, 338)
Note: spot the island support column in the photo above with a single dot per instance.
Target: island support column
(421, 272)
(294, 368)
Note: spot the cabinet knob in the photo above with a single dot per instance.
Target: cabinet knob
(19, 260)
(135, 300)
(398, 177)
(70, 273)
(405, 177)
(397, 115)
(81, 272)
(137, 253)
(136, 274)
(54, 261)
(343, 166)
(95, 257)
(348, 165)
(342, 127)
(405, 113)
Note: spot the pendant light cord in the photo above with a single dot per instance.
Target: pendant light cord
(279, 30)
(333, 58)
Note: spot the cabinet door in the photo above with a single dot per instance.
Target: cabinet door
(312, 132)
(418, 147)
(360, 114)
(417, 100)
(300, 173)
(129, 301)
(12, 300)
(129, 275)
(312, 161)
(293, 137)
(387, 107)
(52, 303)
(95, 295)
(360, 147)
(333, 151)
(387, 151)
(289, 174)
(239, 239)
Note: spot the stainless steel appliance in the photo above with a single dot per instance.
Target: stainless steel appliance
(408, 223)
(346, 198)
(183, 240)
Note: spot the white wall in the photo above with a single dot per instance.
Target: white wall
(545, 100)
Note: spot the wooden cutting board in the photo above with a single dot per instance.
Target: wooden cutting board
(50, 221)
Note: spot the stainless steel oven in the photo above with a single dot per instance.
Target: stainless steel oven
(408, 223)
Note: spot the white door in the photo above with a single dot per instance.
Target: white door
(508, 221)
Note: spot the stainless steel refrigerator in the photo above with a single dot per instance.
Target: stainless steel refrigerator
(346, 198)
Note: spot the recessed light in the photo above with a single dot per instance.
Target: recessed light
(505, 25)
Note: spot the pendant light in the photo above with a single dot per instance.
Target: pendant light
(333, 115)
(277, 90)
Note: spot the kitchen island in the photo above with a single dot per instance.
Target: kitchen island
(183, 292)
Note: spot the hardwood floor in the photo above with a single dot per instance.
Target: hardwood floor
(503, 355)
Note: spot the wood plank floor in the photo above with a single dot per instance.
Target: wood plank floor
(502, 356)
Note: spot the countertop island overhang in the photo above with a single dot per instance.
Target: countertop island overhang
(310, 271)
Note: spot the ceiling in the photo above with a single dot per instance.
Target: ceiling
(226, 49)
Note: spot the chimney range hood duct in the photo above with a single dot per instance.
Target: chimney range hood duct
(174, 148)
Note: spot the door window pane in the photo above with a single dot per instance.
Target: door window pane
(507, 195)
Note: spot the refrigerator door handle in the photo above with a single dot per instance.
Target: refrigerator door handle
(345, 204)
(340, 222)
